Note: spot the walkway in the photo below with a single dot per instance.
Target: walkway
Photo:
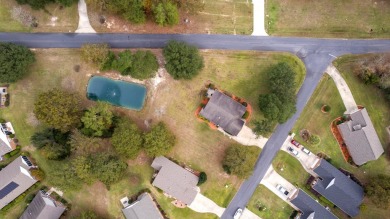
(84, 25)
(258, 18)
(343, 88)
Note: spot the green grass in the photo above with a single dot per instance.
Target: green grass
(274, 206)
(318, 123)
(7, 24)
(333, 18)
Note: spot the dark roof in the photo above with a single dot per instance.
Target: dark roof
(143, 208)
(310, 208)
(224, 112)
(361, 138)
(175, 180)
(43, 207)
(17, 172)
(338, 188)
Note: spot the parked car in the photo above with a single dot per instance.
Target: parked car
(282, 189)
(238, 214)
(291, 150)
(295, 143)
(306, 151)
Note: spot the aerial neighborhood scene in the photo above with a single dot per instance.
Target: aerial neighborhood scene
(194, 109)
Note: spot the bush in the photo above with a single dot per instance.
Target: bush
(240, 160)
(314, 139)
(182, 60)
(14, 152)
(327, 108)
(12, 135)
(159, 141)
(263, 127)
(29, 198)
(202, 178)
(38, 174)
(2, 120)
(246, 115)
(94, 53)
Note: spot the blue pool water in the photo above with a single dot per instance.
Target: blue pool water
(119, 93)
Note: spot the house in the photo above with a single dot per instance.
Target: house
(15, 179)
(43, 207)
(175, 180)
(338, 188)
(224, 112)
(310, 208)
(360, 137)
(3, 96)
(5, 144)
(143, 208)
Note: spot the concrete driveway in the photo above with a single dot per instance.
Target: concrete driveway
(247, 137)
(84, 25)
(202, 204)
(258, 18)
(345, 92)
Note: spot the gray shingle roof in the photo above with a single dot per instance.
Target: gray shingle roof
(43, 207)
(338, 188)
(175, 180)
(143, 208)
(5, 146)
(310, 208)
(361, 138)
(224, 112)
(18, 172)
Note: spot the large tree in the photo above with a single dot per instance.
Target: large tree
(58, 109)
(127, 139)
(240, 160)
(159, 141)
(97, 120)
(95, 53)
(144, 66)
(52, 143)
(378, 190)
(183, 61)
(166, 13)
(14, 62)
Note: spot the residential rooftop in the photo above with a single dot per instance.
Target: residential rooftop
(361, 138)
(43, 207)
(143, 208)
(224, 112)
(15, 179)
(338, 188)
(175, 180)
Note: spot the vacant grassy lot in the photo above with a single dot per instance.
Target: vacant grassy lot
(331, 18)
(241, 73)
(273, 206)
(315, 121)
(218, 16)
(54, 19)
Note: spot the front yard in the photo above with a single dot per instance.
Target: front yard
(174, 102)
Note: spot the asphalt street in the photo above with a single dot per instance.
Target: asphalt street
(316, 54)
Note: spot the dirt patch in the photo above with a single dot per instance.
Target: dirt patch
(305, 134)
(32, 120)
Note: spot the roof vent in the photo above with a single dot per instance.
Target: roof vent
(357, 127)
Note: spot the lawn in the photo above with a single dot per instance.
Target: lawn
(218, 17)
(317, 122)
(273, 206)
(53, 19)
(332, 18)
(174, 102)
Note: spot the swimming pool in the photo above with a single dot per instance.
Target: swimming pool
(119, 93)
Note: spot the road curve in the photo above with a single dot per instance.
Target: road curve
(316, 54)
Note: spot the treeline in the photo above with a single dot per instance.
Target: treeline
(90, 144)
(163, 12)
(40, 4)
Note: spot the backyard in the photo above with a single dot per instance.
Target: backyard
(332, 18)
(174, 102)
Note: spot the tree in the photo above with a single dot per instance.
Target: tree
(263, 127)
(84, 145)
(240, 160)
(123, 63)
(159, 141)
(136, 13)
(95, 53)
(378, 190)
(144, 65)
(52, 143)
(314, 139)
(182, 60)
(63, 175)
(97, 120)
(14, 62)
(40, 4)
(269, 104)
(202, 178)
(166, 13)
(58, 109)
(127, 139)
(281, 79)
(159, 14)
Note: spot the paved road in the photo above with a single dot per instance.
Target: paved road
(315, 53)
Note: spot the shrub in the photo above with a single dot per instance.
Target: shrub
(240, 160)
(12, 135)
(314, 139)
(246, 115)
(2, 120)
(327, 108)
(14, 152)
(29, 198)
(38, 174)
(202, 178)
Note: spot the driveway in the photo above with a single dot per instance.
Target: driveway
(258, 18)
(84, 25)
(345, 92)
(247, 137)
(202, 204)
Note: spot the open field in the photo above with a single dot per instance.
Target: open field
(55, 19)
(332, 18)
(223, 17)
(174, 102)
(274, 206)
(318, 123)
